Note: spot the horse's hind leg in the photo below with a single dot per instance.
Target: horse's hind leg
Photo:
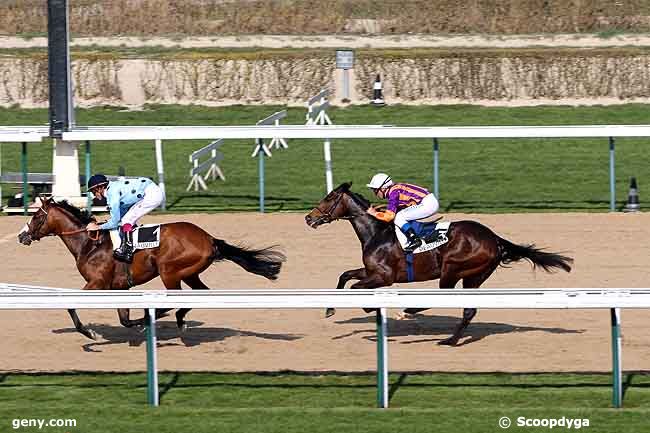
(473, 282)
(353, 274)
(468, 315)
(195, 283)
(448, 280)
(123, 314)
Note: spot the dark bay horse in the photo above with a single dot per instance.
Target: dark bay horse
(185, 251)
(472, 253)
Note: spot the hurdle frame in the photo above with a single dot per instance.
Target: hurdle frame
(214, 171)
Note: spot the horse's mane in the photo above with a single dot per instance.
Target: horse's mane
(82, 215)
(359, 199)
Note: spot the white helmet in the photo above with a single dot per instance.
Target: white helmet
(380, 180)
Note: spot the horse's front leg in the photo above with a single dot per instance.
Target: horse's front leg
(353, 274)
(80, 326)
(123, 314)
(372, 282)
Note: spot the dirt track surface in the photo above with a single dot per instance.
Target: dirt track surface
(609, 249)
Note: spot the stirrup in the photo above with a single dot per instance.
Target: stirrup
(413, 245)
(125, 252)
(433, 237)
(123, 256)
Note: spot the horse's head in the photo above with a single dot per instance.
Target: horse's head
(48, 219)
(341, 203)
(39, 225)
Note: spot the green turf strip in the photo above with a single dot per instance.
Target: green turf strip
(289, 402)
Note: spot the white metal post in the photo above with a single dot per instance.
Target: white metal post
(612, 175)
(346, 85)
(329, 181)
(161, 171)
(0, 175)
(65, 168)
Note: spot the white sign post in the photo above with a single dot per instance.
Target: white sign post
(345, 61)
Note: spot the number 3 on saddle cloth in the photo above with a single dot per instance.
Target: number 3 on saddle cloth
(146, 236)
(433, 234)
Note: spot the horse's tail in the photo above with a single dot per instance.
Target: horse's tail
(265, 262)
(510, 252)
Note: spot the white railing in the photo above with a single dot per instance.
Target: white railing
(112, 133)
(34, 297)
(330, 132)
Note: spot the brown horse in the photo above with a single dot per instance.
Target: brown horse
(472, 253)
(185, 251)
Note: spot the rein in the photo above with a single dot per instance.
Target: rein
(74, 232)
(327, 216)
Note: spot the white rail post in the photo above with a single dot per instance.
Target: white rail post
(317, 116)
(152, 364)
(1, 175)
(617, 369)
(329, 179)
(161, 171)
(327, 146)
(382, 359)
(612, 175)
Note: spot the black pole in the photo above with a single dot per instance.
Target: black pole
(59, 73)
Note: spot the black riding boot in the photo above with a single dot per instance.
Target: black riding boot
(125, 252)
(414, 241)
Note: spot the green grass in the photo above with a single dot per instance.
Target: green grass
(285, 402)
(481, 175)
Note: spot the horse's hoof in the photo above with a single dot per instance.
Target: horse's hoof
(330, 312)
(402, 315)
(448, 342)
(90, 334)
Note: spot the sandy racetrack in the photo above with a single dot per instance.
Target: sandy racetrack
(609, 251)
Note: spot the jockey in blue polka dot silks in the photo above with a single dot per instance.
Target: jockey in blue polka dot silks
(128, 200)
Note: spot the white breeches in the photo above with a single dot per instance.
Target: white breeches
(153, 197)
(427, 207)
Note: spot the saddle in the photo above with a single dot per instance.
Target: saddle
(433, 233)
(145, 236)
